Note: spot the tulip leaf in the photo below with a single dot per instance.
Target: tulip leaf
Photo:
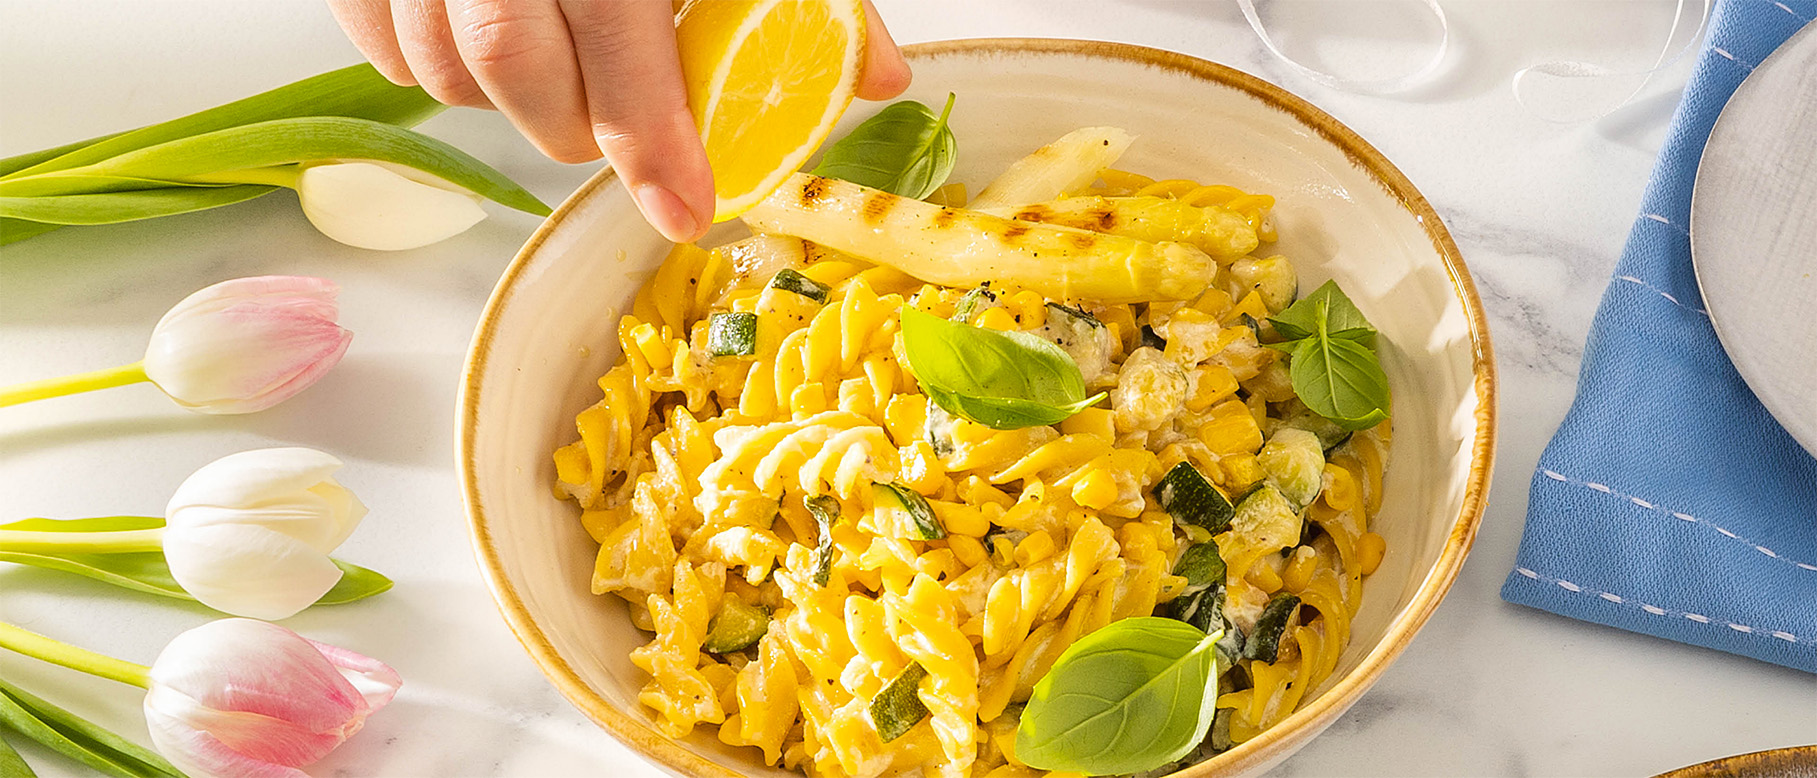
(147, 572)
(13, 764)
(116, 207)
(216, 157)
(15, 230)
(357, 91)
(77, 738)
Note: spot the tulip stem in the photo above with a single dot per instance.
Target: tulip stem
(56, 652)
(72, 384)
(275, 175)
(115, 542)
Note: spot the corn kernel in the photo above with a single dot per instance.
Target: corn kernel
(1213, 301)
(961, 519)
(1263, 575)
(997, 319)
(1241, 472)
(808, 399)
(1251, 304)
(1027, 307)
(968, 550)
(977, 491)
(1037, 546)
(1091, 421)
(1215, 384)
(571, 463)
(1297, 574)
(921, 469)
(1370, 550)
(1340, 488)
(1231, 429)
(1097, 490)
(905, 417)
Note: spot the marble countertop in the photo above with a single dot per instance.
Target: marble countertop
(1539, 210)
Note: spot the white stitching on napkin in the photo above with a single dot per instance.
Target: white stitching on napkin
(1661, 293)
(1795, 14)
(1731, 58)
(1638, 502)
(1668, 222)
(1658, 611)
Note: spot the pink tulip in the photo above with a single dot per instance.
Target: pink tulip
(247, 699)
(247, 344)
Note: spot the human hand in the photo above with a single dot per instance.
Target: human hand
(578, 78)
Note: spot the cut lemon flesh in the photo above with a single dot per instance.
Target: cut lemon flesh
(767, 80)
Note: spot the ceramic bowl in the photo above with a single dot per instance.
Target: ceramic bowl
(1343, 212)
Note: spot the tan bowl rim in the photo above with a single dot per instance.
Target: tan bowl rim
(1254, 753)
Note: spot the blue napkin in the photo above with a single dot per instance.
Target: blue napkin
(1669, 502)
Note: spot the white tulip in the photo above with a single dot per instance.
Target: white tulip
(250, 533)
(384, 207)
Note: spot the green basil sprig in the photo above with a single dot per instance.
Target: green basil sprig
(1129, 697)
(74, 737)
(1003, 380)
(905, 149)
(1332, 359)
(148, 572)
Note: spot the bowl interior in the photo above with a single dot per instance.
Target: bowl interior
(1342, 213)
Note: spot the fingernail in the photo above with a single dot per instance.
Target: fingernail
(667, 213)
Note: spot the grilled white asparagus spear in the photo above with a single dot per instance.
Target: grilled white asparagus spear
(1219, 231)
(1058, 169)
(959, 247)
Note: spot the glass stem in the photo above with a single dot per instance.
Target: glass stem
(72, 384)
(56, 652)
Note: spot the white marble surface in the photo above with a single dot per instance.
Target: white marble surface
(1540, 211)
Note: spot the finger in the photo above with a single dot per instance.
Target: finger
(428, 46)
(639, 110)
(521, 54)
(885, 73)
(368, 24)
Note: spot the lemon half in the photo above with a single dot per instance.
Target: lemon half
(767, 80)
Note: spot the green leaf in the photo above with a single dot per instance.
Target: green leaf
(1341, 380)
(20, 162)
(78, 738)
(358, 92)
(12, 764)
(217, 156)
(905, 149)
(1129, 697)
(1327, 309)
(147, 572)
(1003, 380)
(15, 230)
(116, 207)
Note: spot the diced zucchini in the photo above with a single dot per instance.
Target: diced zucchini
(1082, 337)
(1202, 609)
(1152, 339)
(897, 709)
(736, 626)
(1273, 278)
(790, 281)
(1201, 566)
(974, 302)
(732, 334)
(1330, 434)
(1230, 644)
(939, 429)
(825, 510)
(1220, 730)
(1294, 461)
(1264, 643)
(911, 511)
(1191, 499)
(1266, 520)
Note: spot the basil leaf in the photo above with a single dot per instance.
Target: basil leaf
(13, 764)
(905, 149)
(116, 207)
(1003, 380)
(1341, 380)
(78, 738)
(357, 91)
(1127, 698)
(1328, 310)
(147, 572)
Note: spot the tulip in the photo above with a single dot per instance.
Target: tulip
(235, 347)
(248, 534)
(239, 698)
(385, 207)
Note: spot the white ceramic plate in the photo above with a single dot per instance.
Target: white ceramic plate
(1754, 233)
(1343, 212)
